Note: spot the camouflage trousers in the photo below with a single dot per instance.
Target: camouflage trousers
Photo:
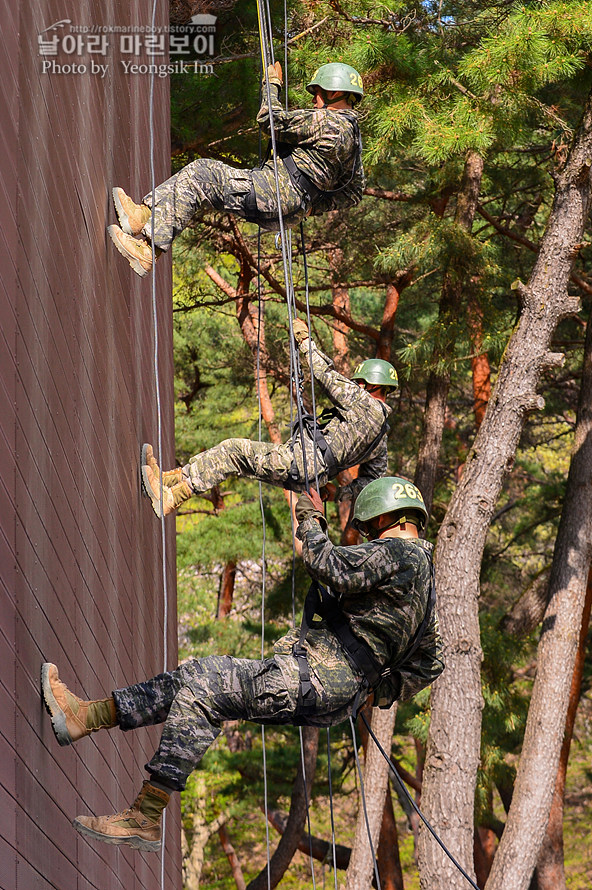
(208, 184)
(194, 700)
(255, 460)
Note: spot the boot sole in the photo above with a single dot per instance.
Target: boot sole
(122, 215)
(132, 260)
(132, 841)
(58, 718)
(144, 463)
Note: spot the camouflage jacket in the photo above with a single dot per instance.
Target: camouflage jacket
(384, 588)
(355, 421)
(326, 146)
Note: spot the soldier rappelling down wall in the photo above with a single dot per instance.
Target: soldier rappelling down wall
(378, 633)
(320, 170)
(353, 432)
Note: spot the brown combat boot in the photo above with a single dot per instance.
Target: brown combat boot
(137, 251)
(139, 825)
(172, 497)
(132, 217)
(169, 477)
(72, 718)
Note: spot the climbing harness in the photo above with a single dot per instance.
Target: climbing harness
(303, 182)
(313, 426)
(320, 601)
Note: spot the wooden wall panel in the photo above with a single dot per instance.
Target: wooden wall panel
(81, 578)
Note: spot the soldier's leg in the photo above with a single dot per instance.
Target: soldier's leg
(204, 184)
(239, 457)
(149, 702)
(221, 688)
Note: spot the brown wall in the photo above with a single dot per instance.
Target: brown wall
(80, 549)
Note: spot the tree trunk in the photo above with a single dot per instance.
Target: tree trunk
(450, 303)
(529, 609)
(479, 363)
(562, 624)
(360, 871)
(550, 869)
(271, 875)
(340, 300)
(387, 326)
(321, 850)
(431, 435)
(389, 861)
(237, 872)
(226, 589)
(454, 737)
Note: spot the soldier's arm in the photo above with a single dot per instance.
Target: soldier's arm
(375, 467)
(351, 570)
(342, 198)
(343, 392)
(296, 127)
(371, 469)
(425, 665)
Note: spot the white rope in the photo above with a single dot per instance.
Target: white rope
(159, 413)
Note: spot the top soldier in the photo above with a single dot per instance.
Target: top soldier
(321, 170)
(353, 432)
(378, 632)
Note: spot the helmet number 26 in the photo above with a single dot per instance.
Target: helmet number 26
(355, 79)
(408, 490)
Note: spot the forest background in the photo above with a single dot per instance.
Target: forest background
(467, 266)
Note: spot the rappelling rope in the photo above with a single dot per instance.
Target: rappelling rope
(165, 618)
(266, 56)
(266, 43)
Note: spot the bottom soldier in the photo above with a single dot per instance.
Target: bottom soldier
(378, 632)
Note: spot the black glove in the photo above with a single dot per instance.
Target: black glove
(305, 509)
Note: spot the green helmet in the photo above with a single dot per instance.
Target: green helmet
(337, 76)
(386, 495)
(377, 371)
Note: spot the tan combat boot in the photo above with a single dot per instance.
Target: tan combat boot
(172, 497)
(139, 825)
(72, 718)
(137, 251)
(132, 217)
(169, 477)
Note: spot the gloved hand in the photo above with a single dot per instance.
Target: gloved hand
(300, 330)
(275, 74)
(328, 492)
(310, 506)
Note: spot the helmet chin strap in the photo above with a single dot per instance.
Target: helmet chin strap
(326, 101)
(372, 532)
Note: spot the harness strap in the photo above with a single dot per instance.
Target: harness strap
(294, 480)
(301, 180)
(322, 602)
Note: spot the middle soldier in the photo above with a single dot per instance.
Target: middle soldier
(353, 432)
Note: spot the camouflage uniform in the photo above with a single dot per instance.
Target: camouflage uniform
(327, 146)
(354, 424)
(201, 693)
(385, 588)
